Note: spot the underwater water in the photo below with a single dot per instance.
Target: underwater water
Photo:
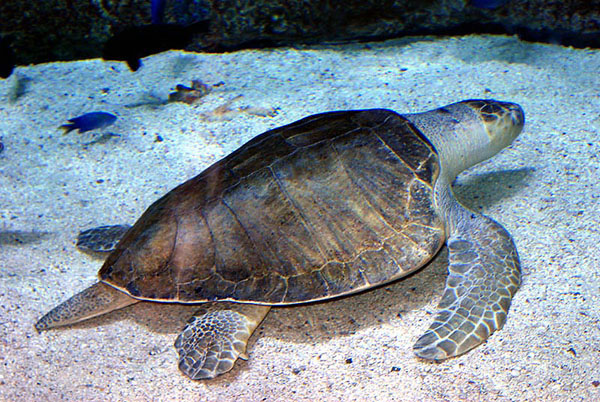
(543, 189)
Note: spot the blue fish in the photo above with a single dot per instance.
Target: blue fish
(89, 121)
(158, 11)
(487, 4)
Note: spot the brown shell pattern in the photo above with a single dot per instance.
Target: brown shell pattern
(329, 205)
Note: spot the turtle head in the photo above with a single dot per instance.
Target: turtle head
(471, 131)
(502, 121)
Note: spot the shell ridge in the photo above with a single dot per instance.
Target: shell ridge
(212, 239)
(297, 208)
(391, 257)
(340, 235)
(260, 239)
(392, 151)
(170, 259)
(237, 219)
(304, 122)
(376, 126)
(362, 192)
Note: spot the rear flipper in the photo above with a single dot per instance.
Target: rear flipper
(102, 239)
(484, 275)
(96, 300)
(215, 337)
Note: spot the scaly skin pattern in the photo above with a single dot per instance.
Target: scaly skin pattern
(483, 276)
(216, 337)
(96, 300)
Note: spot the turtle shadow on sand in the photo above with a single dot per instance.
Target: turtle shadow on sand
(320, 322)
(22, 237)
(481, 191)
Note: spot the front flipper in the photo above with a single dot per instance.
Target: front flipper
(484, 275)
(214, 338)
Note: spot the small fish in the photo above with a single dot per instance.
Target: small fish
(7, 59)
(89, 121)
(487, 4)
(158, 11)
(133, 43)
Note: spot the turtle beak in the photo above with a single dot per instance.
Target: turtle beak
(516, 114)
(514, 119)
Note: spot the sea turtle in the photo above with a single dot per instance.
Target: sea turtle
(330, 205)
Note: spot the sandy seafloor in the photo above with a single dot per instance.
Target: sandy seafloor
(544, 189)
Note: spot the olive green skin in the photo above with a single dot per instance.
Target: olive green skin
(329, 205)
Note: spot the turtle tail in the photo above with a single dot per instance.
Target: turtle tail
(96, 300)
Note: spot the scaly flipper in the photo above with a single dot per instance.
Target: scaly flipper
(96, 300)
(102, 239)
(484, 275)
(214, 338)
